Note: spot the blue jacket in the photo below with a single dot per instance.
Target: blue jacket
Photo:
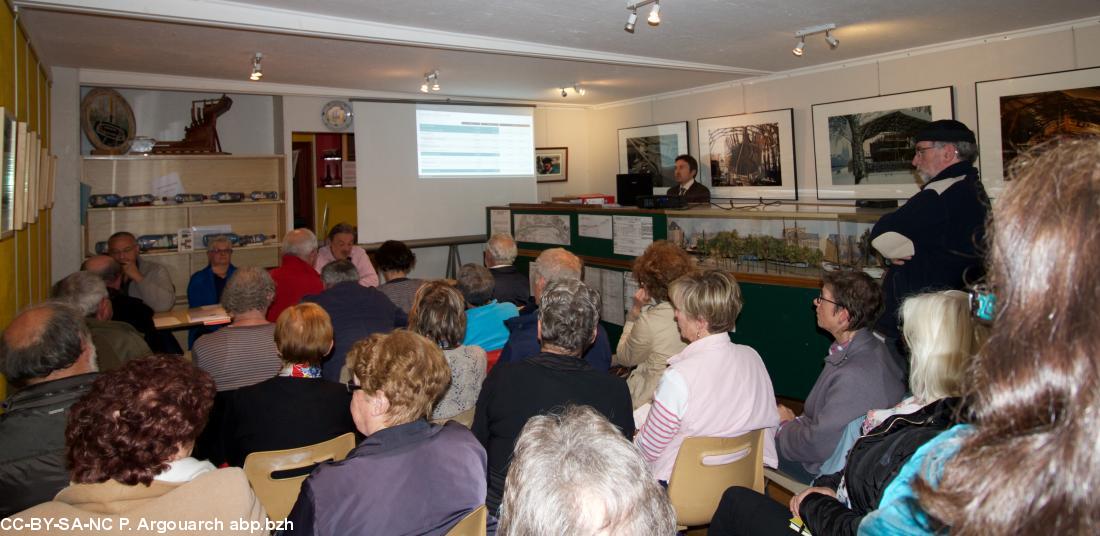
(357, 312)
(201, 291)
(523, 341)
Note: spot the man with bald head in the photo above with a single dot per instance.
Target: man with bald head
(130, 310)
(295, 277)
(47, 354)
(554, 264)
(143, 279)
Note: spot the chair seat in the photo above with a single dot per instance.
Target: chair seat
(471, 525)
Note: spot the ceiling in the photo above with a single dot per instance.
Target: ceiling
(502, 49)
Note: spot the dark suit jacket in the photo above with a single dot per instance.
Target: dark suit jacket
(515, 392)
(696, 194)
(357, 312)
(510, 285)
(285, 413)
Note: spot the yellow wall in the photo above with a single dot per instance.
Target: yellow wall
(341, 208)
(24, 257)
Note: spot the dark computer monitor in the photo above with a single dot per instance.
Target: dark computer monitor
(629, 186)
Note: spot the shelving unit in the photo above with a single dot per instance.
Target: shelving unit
(203, 174)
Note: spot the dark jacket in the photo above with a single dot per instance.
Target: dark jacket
(873, 462)
(202, 290)
(515, 392)
(523, 341)
(510, 285)
(357, 312)
(415, 478)
(284, 413)
(696, 194)
(946, 223)
(32, 442)
(134, 312)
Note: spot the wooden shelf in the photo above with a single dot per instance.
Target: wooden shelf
(204, 204)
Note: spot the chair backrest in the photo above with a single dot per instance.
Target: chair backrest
(471, 525)
(278, 494)
(466, 418)
(695, 486)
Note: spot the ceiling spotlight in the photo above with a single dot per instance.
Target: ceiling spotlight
(833, 42)
(431, 81)
(799, 47)
(630, 20)
(655, 15)
(579, 90)
(563, 93)
(424, 87)
(257, 69)
(820, 28)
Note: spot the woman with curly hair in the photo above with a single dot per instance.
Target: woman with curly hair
(649, 335)
(1028, 462)
(128, 447)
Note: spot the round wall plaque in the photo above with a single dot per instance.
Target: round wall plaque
(336, 115)
(108, 121)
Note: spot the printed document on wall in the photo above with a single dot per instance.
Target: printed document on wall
(500, 221)
(611, 297)
(594, 226)
(632, 234)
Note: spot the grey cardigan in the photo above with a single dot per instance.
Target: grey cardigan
(861, 377)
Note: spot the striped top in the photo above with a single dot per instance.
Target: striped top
(401, 292)
(238, 356)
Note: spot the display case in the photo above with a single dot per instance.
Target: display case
(197, 174)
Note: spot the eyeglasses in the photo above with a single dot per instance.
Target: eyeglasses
(352, 387)
(821, 298)
(920, 150)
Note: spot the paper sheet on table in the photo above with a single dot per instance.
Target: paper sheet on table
(611, 294)
(209, 314)
(594, 226)
(165, 320)
(632, 234)
(500, 221)
(167, 186)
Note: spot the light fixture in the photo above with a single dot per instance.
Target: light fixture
(257, 69)
(655, 15)
(821, 28)
(563, 93)
(431, 81)
(578, 89)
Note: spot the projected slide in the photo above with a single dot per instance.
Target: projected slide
(457, 143)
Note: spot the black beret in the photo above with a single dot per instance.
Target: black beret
(945, 130)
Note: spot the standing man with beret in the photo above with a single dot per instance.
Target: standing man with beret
(935, 240)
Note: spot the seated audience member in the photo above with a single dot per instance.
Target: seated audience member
(206, 285)
(407, 476)
(439, 314)
(128, 447)
(243, 353)
(484, 316)
(127, 309)
(1026, 462)
(357, 312)
(296, 408)
(574, 473)
(859, 375)
(115, 342)
(713, 388)
(509, 284)
(514, 392)
(650, 335)
(47, 357)
(554, 264)
(295, 277)
(143, 279)
(941, 336)
(341, 247)
(396, 260)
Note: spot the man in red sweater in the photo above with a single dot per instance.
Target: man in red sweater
(295, 277)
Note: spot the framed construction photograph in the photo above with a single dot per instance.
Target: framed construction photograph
(1016, 114)
(33, 150)
(863, 148)
(749, 156)
(551, 164)
(653, 149)
(7, 174)
(19, 200)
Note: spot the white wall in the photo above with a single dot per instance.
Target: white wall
(65, 141)
(960, 67)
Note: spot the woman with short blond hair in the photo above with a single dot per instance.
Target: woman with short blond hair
(713, 388)
(438, 313)
(408, 476)
(297, 407)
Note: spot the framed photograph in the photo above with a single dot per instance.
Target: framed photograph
(53, 179)
(551, 164)
(863, 148)
(653, 149)
(749, 156)
(33, 148)
(1016, 114)
(19, 200)
(43, 176)
(7, 174)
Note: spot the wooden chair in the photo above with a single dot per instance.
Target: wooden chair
(466, 418)
(471, 525)
(696, 486)
(278, 494)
